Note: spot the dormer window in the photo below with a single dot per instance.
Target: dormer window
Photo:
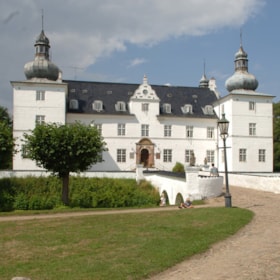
(166, 108)
(208, 110)
(120, 106)
(187, 109)
(74, 104)
(97, 105)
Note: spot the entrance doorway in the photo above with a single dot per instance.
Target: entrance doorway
(145, 153)
(144, 157)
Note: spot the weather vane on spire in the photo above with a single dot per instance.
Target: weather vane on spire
(42, 19)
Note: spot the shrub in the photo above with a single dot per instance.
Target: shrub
(32, 193)
(179, 168)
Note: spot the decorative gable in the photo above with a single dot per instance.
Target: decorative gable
(144, 92)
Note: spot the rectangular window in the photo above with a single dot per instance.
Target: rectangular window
(144, 130)
(252, 105)
(145, 107)
(40, 95)
(167, 155)
(121, 129)
(188, 154)
(40, 119)
(167, 131)
(252, 129)
(24, 152)
(210, 132)
(189, 131)
(210, 155)
(99, 128)
(261, 155)
(242, 155)
(121, 155)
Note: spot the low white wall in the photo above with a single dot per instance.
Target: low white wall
(263, 182)
(210, 186)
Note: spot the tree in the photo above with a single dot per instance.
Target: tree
(62, 149)
(276, 135)
(6, 139)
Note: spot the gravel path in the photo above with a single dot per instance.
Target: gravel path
(251, 254)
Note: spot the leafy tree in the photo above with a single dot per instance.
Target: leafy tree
(276, 135)
(6, 139)
(62, 149)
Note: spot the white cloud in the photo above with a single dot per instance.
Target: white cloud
(136, 62)
(82, 31)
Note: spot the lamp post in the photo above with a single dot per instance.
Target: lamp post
(223, 125)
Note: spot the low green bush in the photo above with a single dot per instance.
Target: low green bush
(39, 193)
(178, 168)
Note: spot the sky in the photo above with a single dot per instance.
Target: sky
(170, 41)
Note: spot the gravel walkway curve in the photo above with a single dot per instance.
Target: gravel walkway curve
(251, 254)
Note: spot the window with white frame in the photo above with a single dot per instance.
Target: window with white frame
(210, 155)
(144, 130)
(40, 119)
(121, 129)
(120, 106)
(252, 129)
(188, 154)
(24, 152)
(40, 95)
(189, 131)
(261, 155)
(166, 108)
(97, 105)
(167, 155)
(252, 105)
(145, 107)
(167, 131)
(98, 126)
(121, 155)
(242, 155)
(187, 109)
(208, 110)
(210, 132)
(74, 104)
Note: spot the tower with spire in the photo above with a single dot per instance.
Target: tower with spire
(250, 116)
(38, 99)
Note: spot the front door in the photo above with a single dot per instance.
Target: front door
(144, 157)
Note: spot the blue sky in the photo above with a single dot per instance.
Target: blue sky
(121, 40)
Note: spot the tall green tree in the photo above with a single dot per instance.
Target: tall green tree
(6, 139)
(276, 136)
(62, 149)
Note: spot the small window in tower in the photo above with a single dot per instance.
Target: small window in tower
(40, 95)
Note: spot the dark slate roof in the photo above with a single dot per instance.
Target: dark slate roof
(110, 93)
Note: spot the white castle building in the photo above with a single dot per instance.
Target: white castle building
(153, 125)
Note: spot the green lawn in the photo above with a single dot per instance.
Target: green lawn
(113, 246)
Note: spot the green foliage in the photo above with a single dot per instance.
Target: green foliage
(62, 149)
(179, 168)
(32, 193)
(276, 135)
(6, 139)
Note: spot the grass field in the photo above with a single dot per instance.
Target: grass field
(113, 246)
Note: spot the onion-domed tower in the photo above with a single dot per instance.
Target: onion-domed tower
(241, 79)
(41, 66)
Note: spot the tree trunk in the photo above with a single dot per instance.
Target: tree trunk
(65, 189)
